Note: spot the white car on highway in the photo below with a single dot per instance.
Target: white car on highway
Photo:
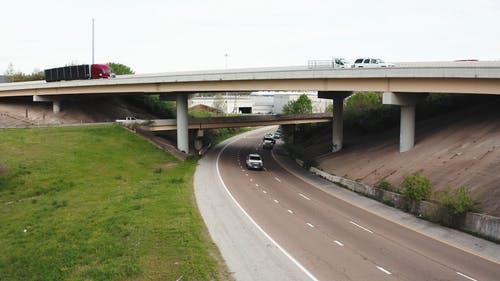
(371, 63)
(254, 161)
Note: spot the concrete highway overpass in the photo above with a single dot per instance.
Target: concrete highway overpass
(404, 86)
(241, 121)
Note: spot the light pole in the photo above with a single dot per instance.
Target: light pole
(93, 20)
(225, 63)
(90, 65)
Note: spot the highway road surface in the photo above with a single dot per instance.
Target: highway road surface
(329, 239)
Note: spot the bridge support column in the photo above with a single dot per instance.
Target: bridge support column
(56, 106)
(198, 141)
(182, 122)
(338, 117)
(56, 102)
(407, 102)
(289, 133)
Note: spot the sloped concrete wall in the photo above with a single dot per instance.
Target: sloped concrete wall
(479, 224)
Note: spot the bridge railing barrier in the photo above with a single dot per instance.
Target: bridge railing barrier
(320, 64)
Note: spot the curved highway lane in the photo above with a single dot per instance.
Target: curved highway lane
(333, 239)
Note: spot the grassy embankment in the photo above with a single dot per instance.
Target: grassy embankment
(98, 203)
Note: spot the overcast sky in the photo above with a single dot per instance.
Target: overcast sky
(174, 35)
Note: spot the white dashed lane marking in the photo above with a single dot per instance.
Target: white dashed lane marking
(339, 243)
(465, 276)
(310, 225)
(265, 192)
(364, 228)
(384, 270)
(305, 197)
(276, 201)
(290, 211)
(257, 185)
(277, 179)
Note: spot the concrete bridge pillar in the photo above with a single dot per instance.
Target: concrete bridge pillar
(289, 132)
(56, 102)
(338, 117)
(198, 141)
(407, 101)
(182, 122)
(56, 106)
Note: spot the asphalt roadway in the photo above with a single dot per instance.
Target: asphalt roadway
(273, 225)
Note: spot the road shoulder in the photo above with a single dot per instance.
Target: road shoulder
(249, 254)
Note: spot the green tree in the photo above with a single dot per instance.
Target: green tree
(362, 102)
(364, 112)
(300, 106)
(17, 76)
(120, 69)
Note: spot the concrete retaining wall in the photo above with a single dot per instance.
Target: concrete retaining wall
(480, 224)
(484, 225)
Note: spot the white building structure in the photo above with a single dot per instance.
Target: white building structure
(256, 102)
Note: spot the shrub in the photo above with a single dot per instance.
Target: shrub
(385, 185)
(457, 202)
(416, 187)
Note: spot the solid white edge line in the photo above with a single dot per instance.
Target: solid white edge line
(463, 275)
(309, 274)
(307, 198)
(339, 243)
(365, 229)
(384, 270)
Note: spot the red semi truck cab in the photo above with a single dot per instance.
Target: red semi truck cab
(101, 71)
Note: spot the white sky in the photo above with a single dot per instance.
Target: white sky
(174, 35)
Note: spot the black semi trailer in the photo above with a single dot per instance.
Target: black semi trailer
(73, 72)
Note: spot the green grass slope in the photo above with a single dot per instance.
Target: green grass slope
(98, 203)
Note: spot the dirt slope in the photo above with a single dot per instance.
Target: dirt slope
(462, 148)
(78, 110)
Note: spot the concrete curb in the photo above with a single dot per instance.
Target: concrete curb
(479, 224)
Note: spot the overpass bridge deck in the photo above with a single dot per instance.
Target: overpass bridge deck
(242, 121)
(452, 77)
